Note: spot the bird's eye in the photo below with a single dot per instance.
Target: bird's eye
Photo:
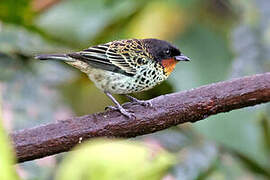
(167, 51)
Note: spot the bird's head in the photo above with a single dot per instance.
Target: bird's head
(165, 53)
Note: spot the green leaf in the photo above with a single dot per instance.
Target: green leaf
(16, 11)
(114, 159)
(7, 159)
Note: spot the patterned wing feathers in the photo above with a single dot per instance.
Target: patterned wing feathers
(117, 56)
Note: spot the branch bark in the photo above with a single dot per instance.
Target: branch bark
(168, 110)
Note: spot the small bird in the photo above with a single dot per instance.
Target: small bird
(125, 66)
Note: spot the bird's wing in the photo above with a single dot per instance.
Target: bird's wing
(118, 56)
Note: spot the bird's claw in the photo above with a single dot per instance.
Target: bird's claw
(146, 103)
(122, 111)
(143, 103)
(140, 102)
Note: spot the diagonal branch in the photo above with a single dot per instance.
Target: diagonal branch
(168, 110)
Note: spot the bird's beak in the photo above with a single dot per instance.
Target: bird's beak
(182, 58)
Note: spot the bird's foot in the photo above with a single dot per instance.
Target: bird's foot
(122, 111)
(141, 102)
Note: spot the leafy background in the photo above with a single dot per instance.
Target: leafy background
(224, 38)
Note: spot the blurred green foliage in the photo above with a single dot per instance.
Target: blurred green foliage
(16, 12)
(111, 159)
(7, 170)
(224, 39)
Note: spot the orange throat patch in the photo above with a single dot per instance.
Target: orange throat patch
(169, 65)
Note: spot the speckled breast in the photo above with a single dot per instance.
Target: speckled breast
(146, 78)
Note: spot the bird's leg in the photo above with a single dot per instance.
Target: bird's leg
(141, 102)
(118, 106)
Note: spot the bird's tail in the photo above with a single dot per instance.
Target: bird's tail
(61, 57)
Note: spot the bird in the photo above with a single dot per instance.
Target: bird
(125, 66)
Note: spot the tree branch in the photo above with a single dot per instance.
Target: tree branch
(168, 110)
